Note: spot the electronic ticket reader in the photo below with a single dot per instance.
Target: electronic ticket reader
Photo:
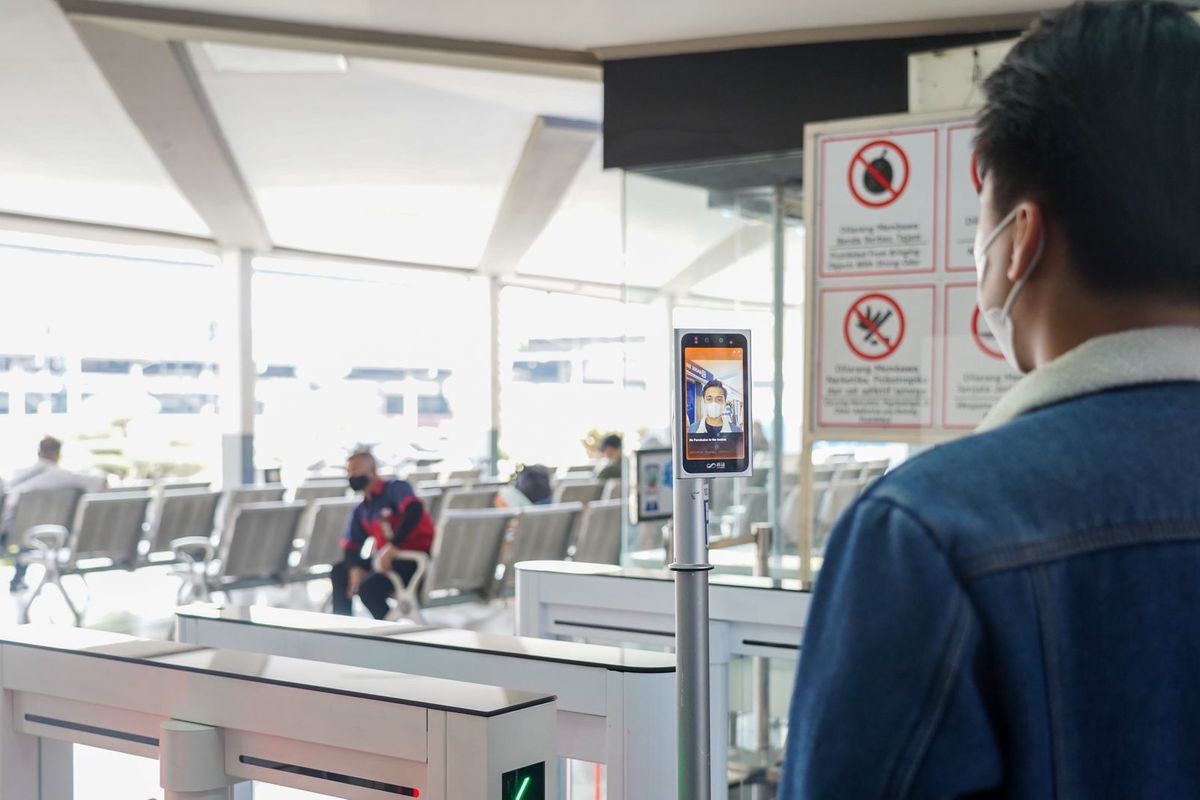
(710, 433)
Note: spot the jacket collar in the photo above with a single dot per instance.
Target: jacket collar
(1129, 358)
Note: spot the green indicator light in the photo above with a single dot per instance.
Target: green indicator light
(524, 786)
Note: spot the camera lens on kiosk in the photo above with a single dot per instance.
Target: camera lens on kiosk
(706, 340)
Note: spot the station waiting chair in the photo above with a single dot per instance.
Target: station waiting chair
(432, 499)
(254, 551)
(612, 489)
(467, 476)
(840, 494)
(49, 507)
(108, 528)
(417, 477)
(579, 471)
(584, 491)
(543, 533)
(323, 527)
(180, 514)
(599, 539)
(873, 470)
(463, 565)
(182, 483)
(467, 500)
(239, 496)
(316, 489)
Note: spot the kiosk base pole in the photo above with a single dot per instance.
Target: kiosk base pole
(690, 529)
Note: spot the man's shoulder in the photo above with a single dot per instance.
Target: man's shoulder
(398, 488)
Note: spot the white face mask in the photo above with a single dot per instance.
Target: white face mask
(999, 320)
(714, 410)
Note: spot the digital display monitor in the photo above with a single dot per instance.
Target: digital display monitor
(653, 498)
(713, 394)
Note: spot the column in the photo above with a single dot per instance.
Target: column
(494, 372)
(236, 372)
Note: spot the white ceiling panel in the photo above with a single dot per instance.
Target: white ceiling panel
(588, 24)
(67, 148)
(388, 160)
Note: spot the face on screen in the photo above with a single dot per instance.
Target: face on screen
(715, 407)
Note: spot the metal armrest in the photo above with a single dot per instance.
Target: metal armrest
(46, 541)
(416, 556)
(408, 603)
(195, 582)
(186, 548)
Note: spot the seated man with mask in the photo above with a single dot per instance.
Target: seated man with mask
(393, 518)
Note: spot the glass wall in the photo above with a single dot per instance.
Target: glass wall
(111, 350)
(348, 356)
(707, 257)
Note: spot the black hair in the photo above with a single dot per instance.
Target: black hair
(49, 448)
(612, 440)
(714, 384)
(534, 482)
(363, 453)
(1095, 114)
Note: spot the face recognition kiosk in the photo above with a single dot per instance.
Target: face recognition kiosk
(711, 414)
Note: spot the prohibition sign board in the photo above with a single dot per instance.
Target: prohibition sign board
(879, 173)
(874, 327)
(983, 336)
(963, 185)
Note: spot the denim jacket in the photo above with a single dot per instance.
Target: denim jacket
(1017, 614)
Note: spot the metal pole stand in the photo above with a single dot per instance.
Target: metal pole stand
(690, 527)
(192, 762)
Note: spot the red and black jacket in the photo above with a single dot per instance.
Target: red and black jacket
(390, 513)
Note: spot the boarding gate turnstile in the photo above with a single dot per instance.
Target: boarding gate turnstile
(748, 616)
(213, 718)
(616, 706)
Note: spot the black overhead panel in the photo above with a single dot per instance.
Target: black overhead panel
(671, 110)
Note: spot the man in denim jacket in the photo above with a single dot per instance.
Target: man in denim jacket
(1017, 614)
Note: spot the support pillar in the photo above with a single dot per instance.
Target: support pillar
(778, 266)
(494, 373)
(236, 368)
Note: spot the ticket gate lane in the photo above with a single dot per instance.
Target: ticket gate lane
(748, 616)
(340, 731)
(615, 706)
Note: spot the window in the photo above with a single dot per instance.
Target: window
(45, 403)
(542, 371)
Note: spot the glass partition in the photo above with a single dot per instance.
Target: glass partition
(706, 257)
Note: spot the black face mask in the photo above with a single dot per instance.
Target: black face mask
(359, 482)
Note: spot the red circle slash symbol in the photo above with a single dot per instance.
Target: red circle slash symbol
(878, 174)
(983, 337)
(874, 327)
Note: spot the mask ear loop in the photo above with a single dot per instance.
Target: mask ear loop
(983, 248)
(1020, 284)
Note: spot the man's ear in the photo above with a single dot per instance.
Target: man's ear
(1029, 234)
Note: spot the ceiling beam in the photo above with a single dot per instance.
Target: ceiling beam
(180, 24)
(838, 33)
(554, 153)
(157, 85)
(716, 258)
